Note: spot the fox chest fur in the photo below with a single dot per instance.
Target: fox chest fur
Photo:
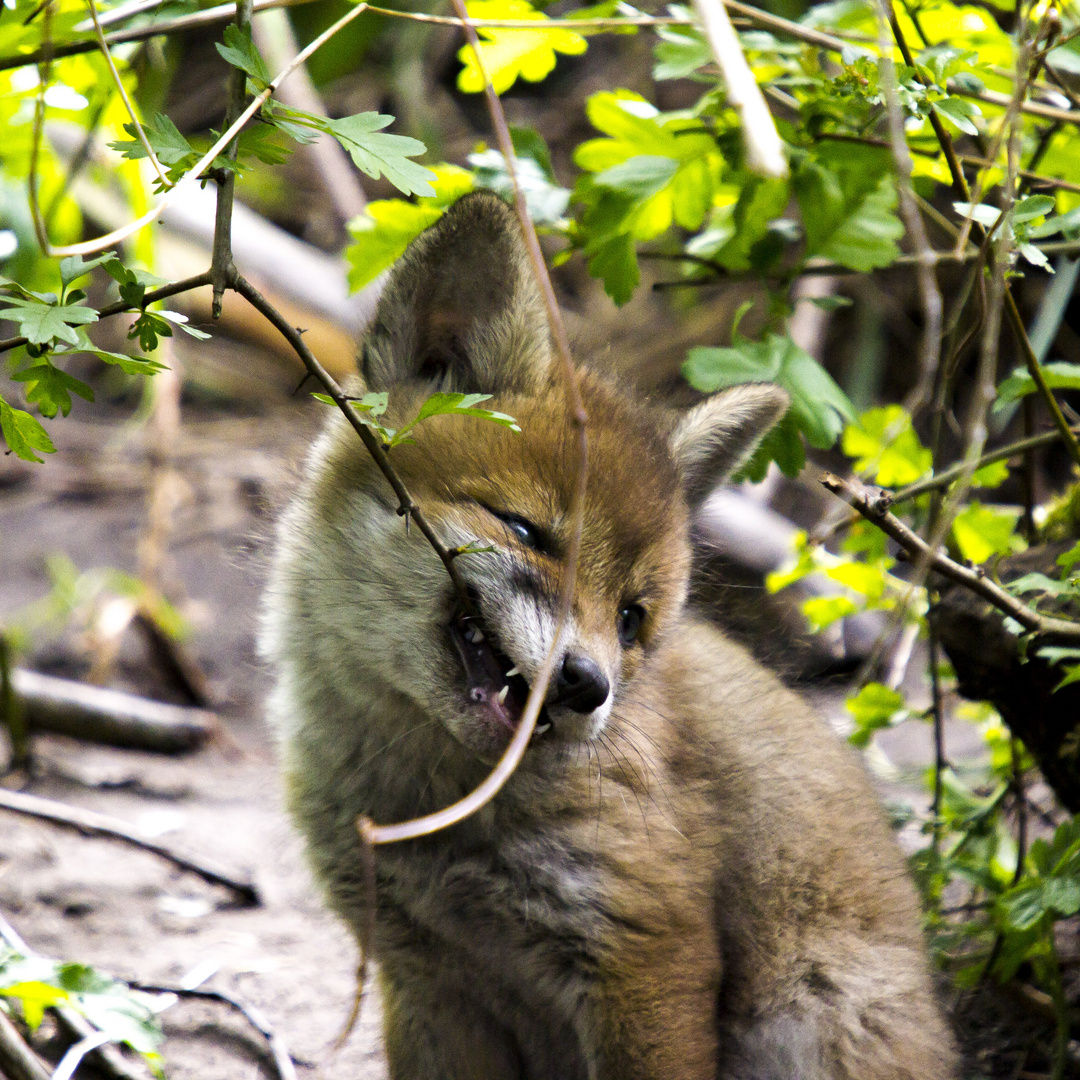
(687, 876)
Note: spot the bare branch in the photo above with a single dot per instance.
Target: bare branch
(90, 823)
(764, 149)
(876, 509)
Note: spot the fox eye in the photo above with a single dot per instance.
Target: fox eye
(630, 619)
(524, 530)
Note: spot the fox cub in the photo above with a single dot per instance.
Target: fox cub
(687, 878)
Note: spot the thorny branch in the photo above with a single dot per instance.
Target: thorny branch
(875, 508)
(406, 506)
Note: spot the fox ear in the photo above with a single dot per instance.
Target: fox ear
(461, 309)
(715, 438)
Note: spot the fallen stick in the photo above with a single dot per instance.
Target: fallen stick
(90, 823)
(112, 717)
(279, 1052)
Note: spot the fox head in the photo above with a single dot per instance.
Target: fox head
(371, 605)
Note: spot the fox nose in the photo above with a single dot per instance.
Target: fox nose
(580, 684)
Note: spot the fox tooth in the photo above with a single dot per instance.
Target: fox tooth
(502, 694)
(474, 635)
(512, 672)
(541, 729)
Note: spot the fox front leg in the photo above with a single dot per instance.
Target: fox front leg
(434, 1032)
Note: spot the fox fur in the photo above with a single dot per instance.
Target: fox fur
(686, 879)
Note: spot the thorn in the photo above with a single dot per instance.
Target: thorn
(503, 692)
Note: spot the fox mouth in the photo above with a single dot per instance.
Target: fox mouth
(493, 682)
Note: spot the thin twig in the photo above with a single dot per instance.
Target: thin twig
(221, 261)
(876, 509)
(279, 1052)
(119, 83)
(480, 796)
(947, 476)
(91, 823)
(119, 307)
(12, 716)
(938, 712)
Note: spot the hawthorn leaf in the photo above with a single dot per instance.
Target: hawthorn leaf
(41, 323)
(982, 531)
(508, 55)
(50, 388)
(377, 154)
(23, 433)
(240, 51)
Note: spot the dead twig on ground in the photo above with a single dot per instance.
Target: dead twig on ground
(279, 1052)
(91, 823)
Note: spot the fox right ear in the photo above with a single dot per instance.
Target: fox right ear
(461, 309)
(714, 439)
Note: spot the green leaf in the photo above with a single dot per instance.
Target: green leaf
(1058, 375)
(240, 51)
(640, 177)
(1036, 582)
(1067, 223)
(41, 323)
(1023, 906)
(382, 233)
(23, 433)
(614, 261)
(545, 201)
(164, 137)
(886, 447)
(440, 404)
(959, 112)
(679, 53)
(983, 531)
(35, 998)
(377, 154)
(822, 611)
(130, 365)
(985, 215)
(990, 476)
(50, 388)
(874, 708)
(73, 267)
(1032, 207)
(847, 197)
(818, 405)
(512, 54)
(760, 202)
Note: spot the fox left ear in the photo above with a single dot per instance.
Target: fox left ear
(715, 438)
(461, 309)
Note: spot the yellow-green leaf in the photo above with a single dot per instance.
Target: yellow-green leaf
(982, 531)
(512, 54)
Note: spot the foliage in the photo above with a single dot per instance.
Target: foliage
(126, 1016)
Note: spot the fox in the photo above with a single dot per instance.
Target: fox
(688, 876)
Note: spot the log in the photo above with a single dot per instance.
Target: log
(111, 717)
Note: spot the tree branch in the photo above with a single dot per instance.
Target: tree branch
(876, 510)
(406, 506)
